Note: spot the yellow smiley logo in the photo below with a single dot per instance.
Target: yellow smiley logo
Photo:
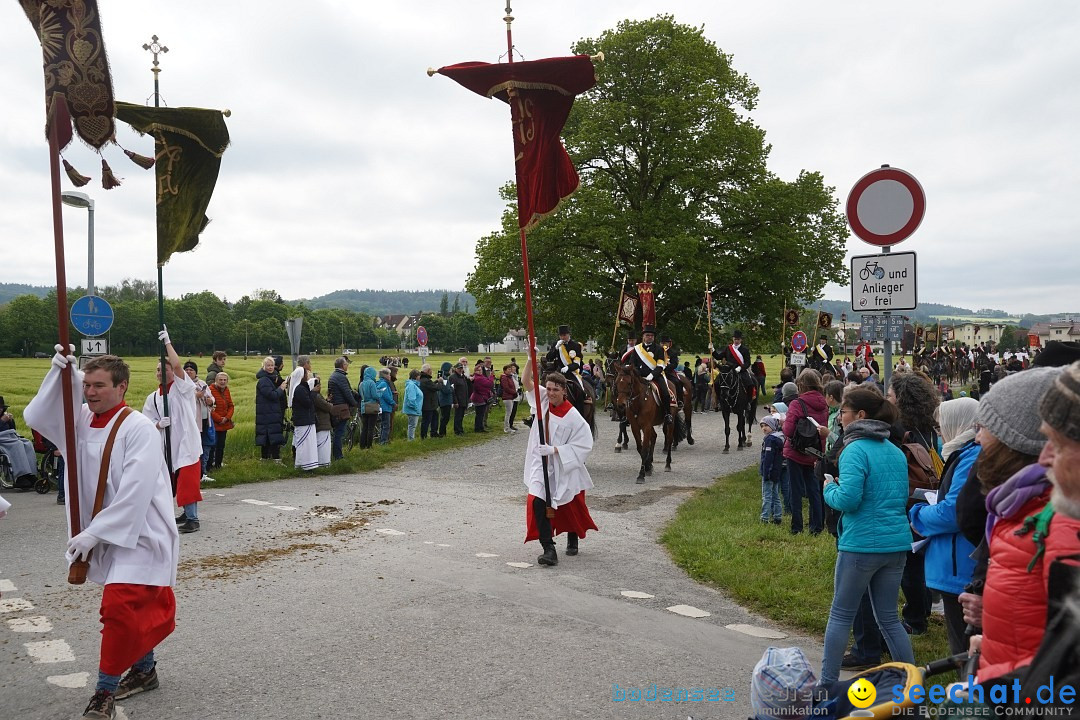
(862, 693)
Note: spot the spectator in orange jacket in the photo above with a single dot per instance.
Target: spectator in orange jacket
(222, 415)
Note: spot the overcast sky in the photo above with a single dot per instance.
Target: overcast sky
(350, 168)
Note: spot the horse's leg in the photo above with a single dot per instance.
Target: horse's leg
(669, 438)
(727, 428)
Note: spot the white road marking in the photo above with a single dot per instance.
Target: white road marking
(689, 611)
(15, 604)
(636, 594)
(429, 542)
(74, 680)
(283, 507)
(39, 624)
(441, 545)
(519, 565)
(7, 586)
(389, 531)
(486, 555)
(49, 651)
(219, 494)
(255, 502)
(755, 631)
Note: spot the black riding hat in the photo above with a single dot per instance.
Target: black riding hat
(737, 334)
(648, 329)
(564, 329)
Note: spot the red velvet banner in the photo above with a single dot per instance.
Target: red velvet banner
(540, 94)
(648, 303)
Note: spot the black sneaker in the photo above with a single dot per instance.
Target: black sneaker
(189, 527)
(136, 682)
(181, 519)
(102, 706)
(853, 662)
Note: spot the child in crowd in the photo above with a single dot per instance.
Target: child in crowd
(772, 462)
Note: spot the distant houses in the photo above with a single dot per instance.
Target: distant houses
(1064, 330)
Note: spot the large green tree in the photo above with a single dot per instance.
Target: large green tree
(674, 175)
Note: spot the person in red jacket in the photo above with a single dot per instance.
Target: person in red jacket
(483, 387)
(1023, 540)
(809, 403)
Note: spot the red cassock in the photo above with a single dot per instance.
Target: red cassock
(540, 94)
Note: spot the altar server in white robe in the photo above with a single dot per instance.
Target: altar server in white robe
(567, 443)
(132, 543)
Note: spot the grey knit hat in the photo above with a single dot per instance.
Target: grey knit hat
(790, 391)
(1010, 410)
(1060, 406)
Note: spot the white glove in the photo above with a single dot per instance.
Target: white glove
(60, 359)
(164, 423)
(545, 450)
(80, 546)
(163, 335)
(738, 368)
(710, 347)
(649, 376)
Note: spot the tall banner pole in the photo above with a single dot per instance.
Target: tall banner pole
(708, 308)
(618, 312)
(77, 570)
(515, 114)
(156, 48)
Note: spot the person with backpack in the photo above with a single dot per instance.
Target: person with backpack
(874, 537)
(804, 446)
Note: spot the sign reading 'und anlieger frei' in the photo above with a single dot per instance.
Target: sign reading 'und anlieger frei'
(883, 282)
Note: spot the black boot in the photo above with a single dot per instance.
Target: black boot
(549, 557)
(571, 543)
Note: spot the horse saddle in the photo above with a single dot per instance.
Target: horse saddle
(671, 392)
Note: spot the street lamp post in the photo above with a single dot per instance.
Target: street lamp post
(342, 336)
(76, 199)
(843, 324)
(247, 326)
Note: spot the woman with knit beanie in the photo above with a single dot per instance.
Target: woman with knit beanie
(1022, 535)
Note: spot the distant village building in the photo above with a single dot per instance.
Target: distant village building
(974, 333)
(1064, 330)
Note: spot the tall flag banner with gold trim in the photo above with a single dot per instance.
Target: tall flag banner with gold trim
(628, 308)
(648, 303)
(78, 87)
(540, 94)
(188, 145)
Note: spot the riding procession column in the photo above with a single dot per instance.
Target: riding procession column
(540, 94)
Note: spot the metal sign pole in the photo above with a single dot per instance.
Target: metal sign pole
(887, 371)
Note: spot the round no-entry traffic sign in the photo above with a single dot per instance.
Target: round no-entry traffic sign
(885, 206)
(421, 336)
(798, 341)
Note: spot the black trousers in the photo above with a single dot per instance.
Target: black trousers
(444, 418)
(367, 429)
(427, 424)
(480, 413)
(543, 525)
(271, 452)
(459, 420)
(916, 609)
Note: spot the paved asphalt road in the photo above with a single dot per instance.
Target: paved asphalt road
(389, 595)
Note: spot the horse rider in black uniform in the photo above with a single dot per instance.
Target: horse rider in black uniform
(822, 355)
(565, 356)
(672, 367)
(738, 355)
(650, 360)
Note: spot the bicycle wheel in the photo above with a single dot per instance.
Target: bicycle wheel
(352, 432)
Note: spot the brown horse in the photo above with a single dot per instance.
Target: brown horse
(581, 395)
(639, 404)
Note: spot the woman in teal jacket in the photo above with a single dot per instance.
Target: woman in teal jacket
(874, 536)
(368, 394)
(948, 553)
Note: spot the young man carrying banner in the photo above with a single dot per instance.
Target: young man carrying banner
(128, 535)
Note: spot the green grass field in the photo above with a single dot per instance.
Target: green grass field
(717, 538)
(20, 379)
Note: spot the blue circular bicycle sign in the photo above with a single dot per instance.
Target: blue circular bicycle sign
(92, 315)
